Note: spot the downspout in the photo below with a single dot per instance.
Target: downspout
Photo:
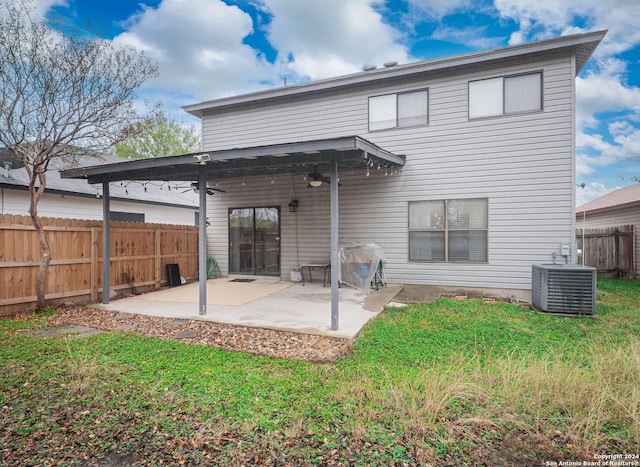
(572, 217)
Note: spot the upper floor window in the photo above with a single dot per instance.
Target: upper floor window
(505, 95)
(398, 110)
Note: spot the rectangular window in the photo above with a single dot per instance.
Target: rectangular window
(449, 230)
(398, 110)
(126, 216)
(523, 93)
(505, 95)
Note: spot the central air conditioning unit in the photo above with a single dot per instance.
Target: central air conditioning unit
(564, 288)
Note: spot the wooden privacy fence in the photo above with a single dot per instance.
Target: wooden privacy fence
(610, 249)
(139, 255)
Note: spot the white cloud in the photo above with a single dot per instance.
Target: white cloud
(583, 166)
(553, 14)
(43, 6)
(593, 141)
(592, 191)
(621, 127)
(199, 47)
(476, 38)
(544, 17)
(628, 145)
(332, 37)
(437, 9)
(601, 153)
(37, 8)
(597, 93)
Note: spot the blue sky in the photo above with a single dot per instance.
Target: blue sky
(213, 48)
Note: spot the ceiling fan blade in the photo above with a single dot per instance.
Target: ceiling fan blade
(210, 190)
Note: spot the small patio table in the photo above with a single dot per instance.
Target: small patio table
(326, 267)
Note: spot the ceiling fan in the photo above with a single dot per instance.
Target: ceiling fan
(195, 186)
(316, 179)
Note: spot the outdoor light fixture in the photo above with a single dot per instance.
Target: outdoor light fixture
(293, 205)
(315, 183)
(202, 159)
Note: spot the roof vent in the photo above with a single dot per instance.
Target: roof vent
(369, 67)
(390, 64)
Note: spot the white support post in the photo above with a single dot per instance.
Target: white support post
(335, 299)
(202, 244)
(106, 244)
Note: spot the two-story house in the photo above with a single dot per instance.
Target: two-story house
(487, 189)
(461, 169)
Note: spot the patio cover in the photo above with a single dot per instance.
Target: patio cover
(328, 155)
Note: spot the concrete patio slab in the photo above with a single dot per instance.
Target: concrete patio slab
(296, 307)
(223, 291)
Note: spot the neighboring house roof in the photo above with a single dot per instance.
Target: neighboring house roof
(618, 199)
(582, 45)
(137, 192)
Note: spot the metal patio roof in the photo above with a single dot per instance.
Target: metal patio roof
(349, 152)
(334, 154)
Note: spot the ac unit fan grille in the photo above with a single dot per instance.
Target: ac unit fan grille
(564, 289)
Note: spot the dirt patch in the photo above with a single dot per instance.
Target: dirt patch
(259, 341)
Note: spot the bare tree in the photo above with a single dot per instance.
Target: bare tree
(61, 94)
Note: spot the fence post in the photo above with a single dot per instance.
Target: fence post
(158, 259)
(77, 259)
(94, 264)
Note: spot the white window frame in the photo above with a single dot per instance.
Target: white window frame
(394, 114)
(446, 230)
(495, 112)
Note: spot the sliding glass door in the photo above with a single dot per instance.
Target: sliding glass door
(254, 241)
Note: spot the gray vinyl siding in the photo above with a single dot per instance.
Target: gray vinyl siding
(523, 165)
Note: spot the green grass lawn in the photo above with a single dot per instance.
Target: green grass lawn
(457, 382)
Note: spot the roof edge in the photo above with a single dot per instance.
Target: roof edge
(631, 204)
(555, 43)
(55, 191)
